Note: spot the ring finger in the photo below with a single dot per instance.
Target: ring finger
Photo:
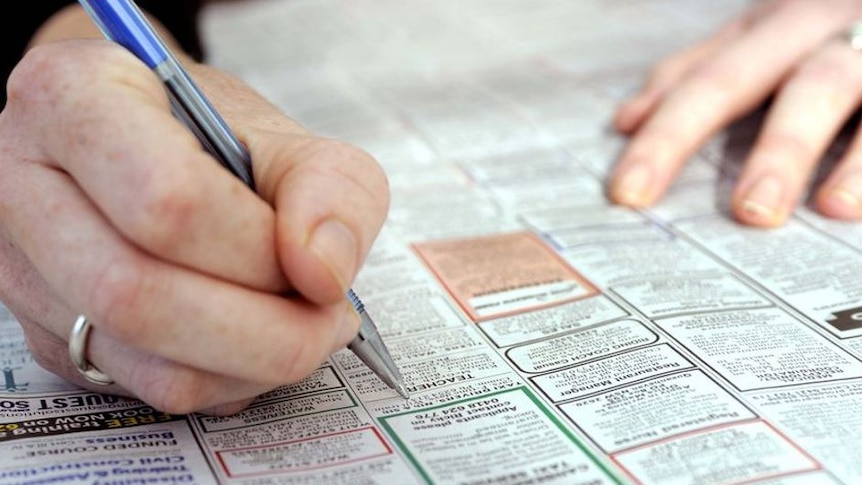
(167, 385)
(163, 384)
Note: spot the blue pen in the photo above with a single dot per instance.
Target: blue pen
(122, 22)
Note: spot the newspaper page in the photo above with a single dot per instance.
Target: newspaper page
(546, 336)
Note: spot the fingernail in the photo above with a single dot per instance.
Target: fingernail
(763, 200)
(847, 194)
(633, 186)
(335, 245)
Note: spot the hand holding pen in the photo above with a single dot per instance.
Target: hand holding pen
(112, 210)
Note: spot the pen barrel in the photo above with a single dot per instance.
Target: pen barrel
(198, 114)
(122, 22)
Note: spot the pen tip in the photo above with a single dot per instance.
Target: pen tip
(402, 391)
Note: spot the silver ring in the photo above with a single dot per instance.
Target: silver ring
(853, 35)
(78, 353)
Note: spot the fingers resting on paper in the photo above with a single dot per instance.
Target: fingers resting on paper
(814, 80)
(110, 208)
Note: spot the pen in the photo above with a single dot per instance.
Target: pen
(122, 22)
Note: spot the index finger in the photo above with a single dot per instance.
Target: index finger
(101, 116)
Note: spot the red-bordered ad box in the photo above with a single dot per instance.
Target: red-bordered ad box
(503, 274)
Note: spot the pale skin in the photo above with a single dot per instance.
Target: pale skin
(202, 293)
(789, 48)
(109, 207)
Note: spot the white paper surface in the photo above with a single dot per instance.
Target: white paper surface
(585, 343)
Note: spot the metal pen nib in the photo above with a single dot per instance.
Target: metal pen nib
(369, 347)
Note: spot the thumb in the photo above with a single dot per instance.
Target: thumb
(330, 199)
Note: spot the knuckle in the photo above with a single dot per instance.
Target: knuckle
(378, 181)
(715, 77)
(167, 210)
(666, 70)
(359, 167)
(118, 295)
(374, 180)
(46, 71)
(340, 150)
(821, 69)
(35, 73)
(785, 148)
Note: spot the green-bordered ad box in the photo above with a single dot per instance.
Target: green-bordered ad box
(503, 437)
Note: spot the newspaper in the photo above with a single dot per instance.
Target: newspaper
(546, 336)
